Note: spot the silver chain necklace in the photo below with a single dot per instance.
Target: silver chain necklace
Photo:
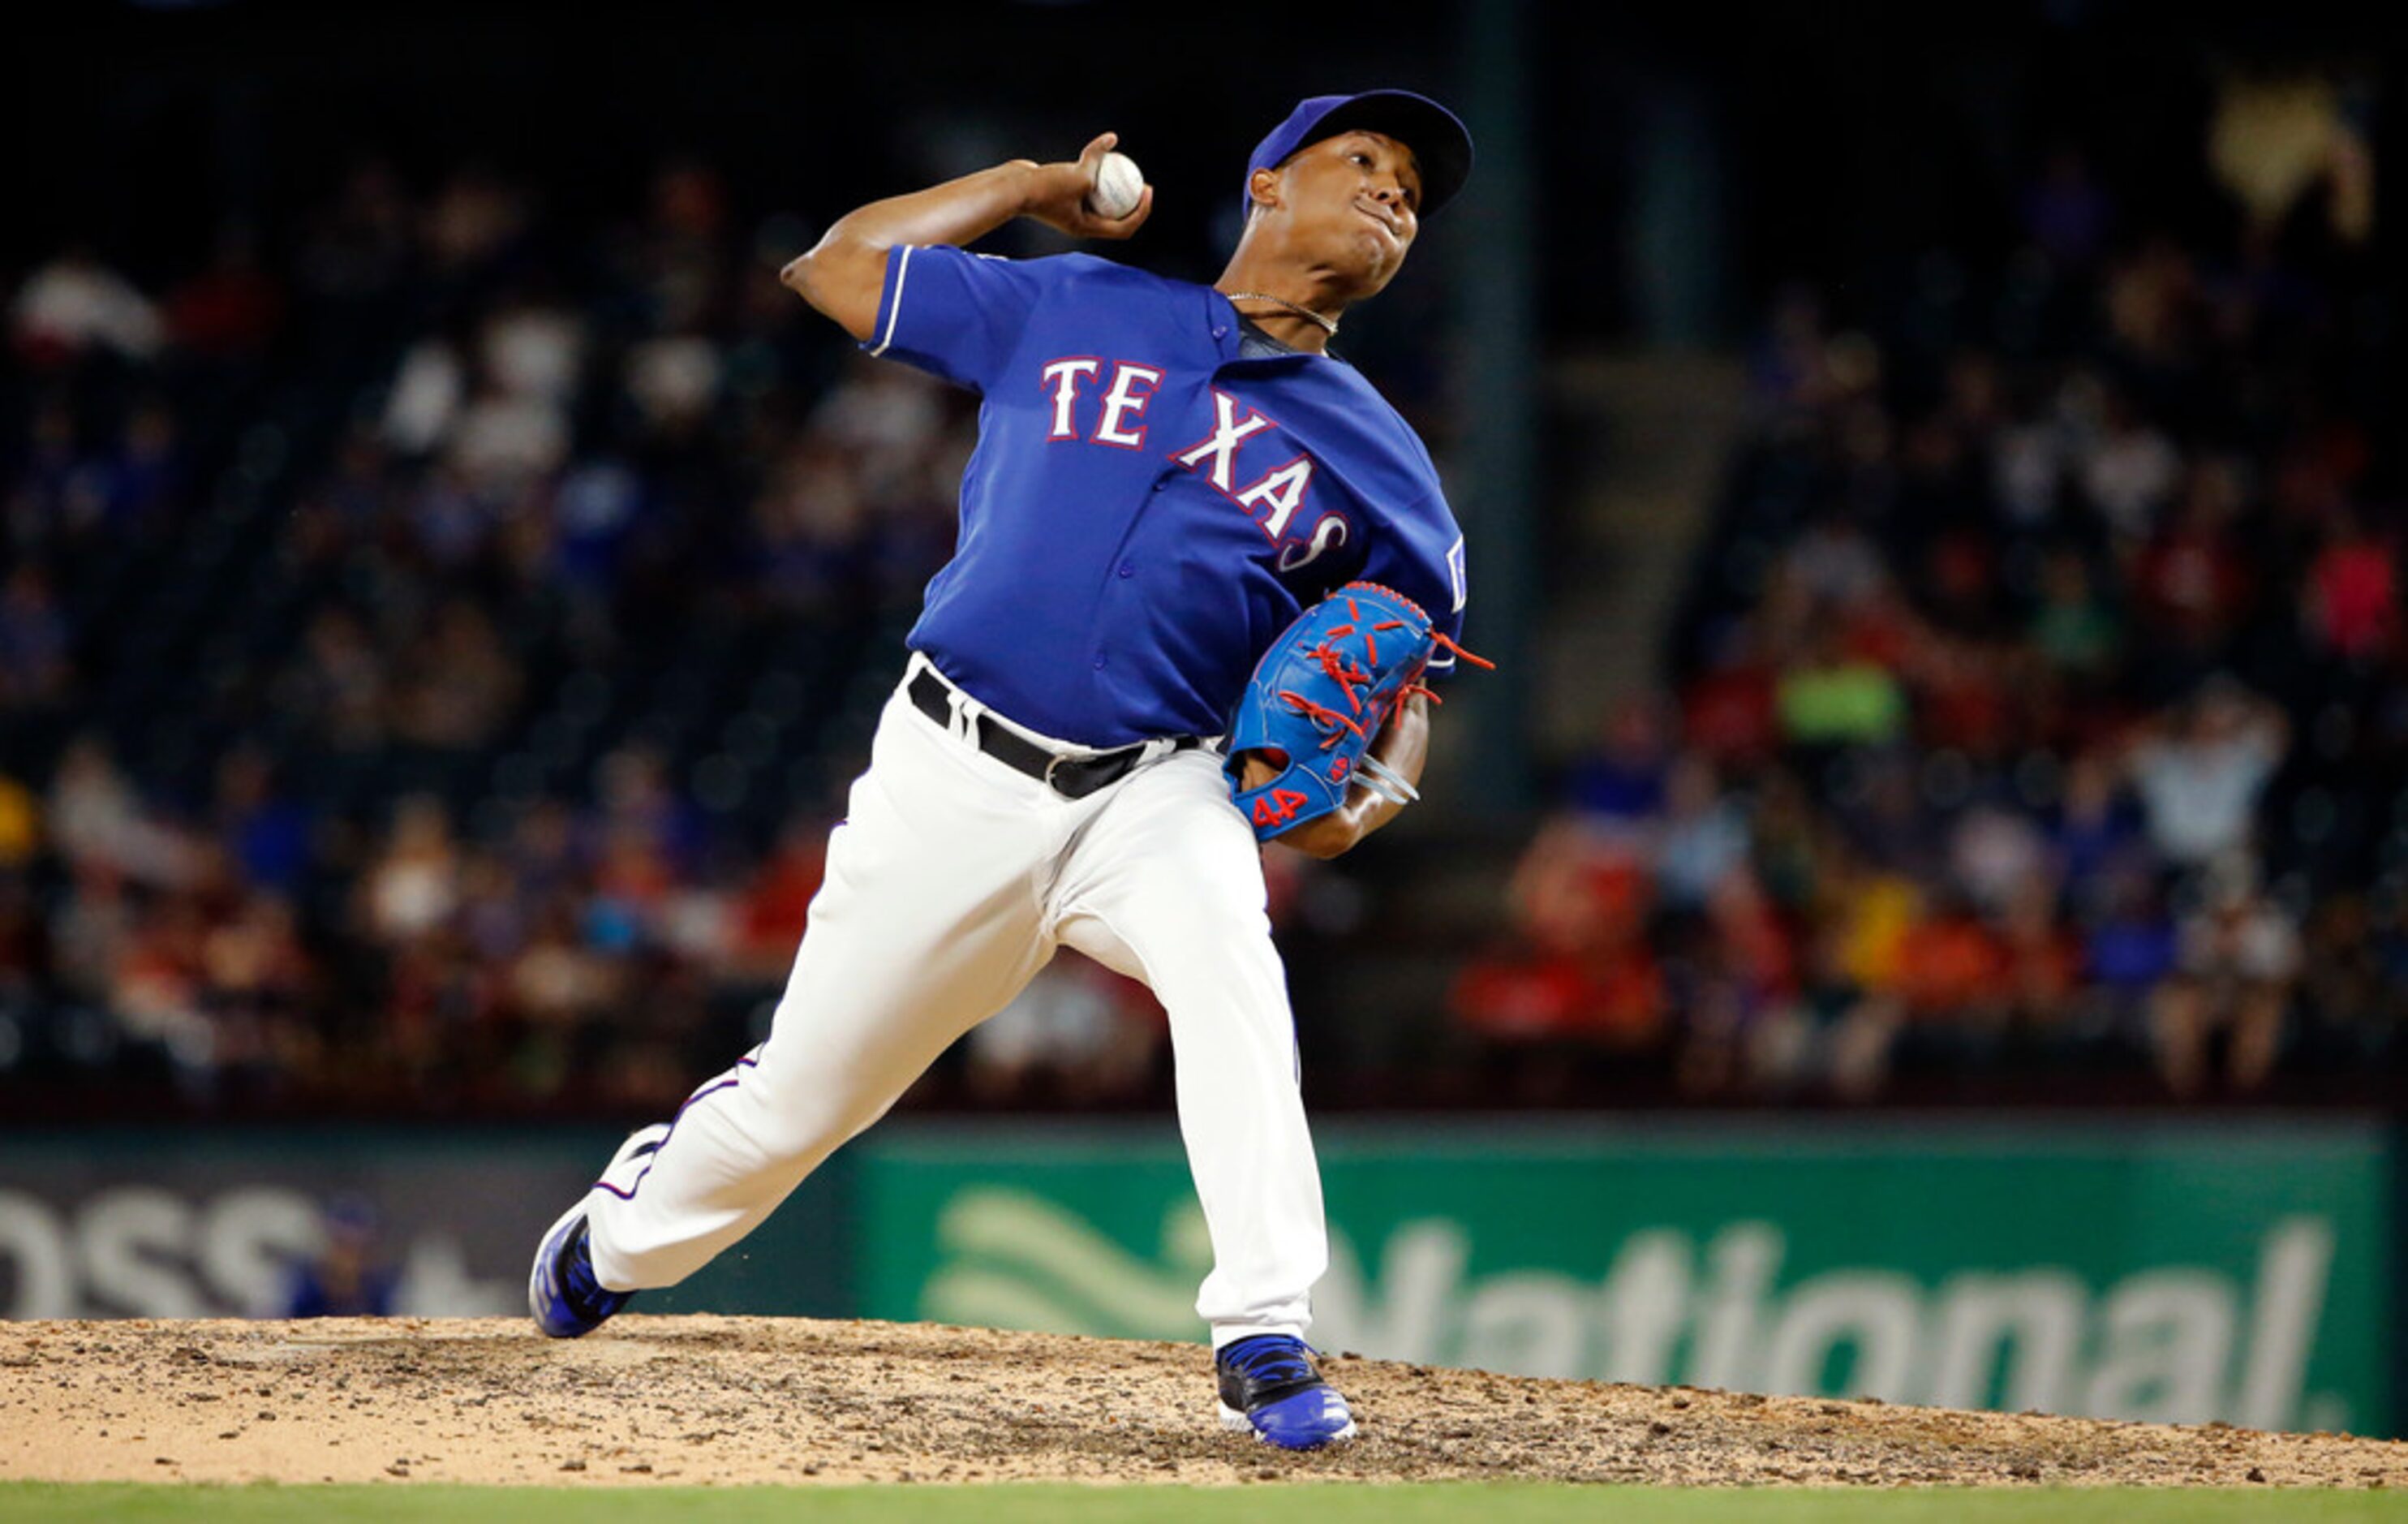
(1330, 324)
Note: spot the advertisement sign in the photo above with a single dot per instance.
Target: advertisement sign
(2163, 1272)
(140, 1223)
(225, 1222)
(2240, 1272)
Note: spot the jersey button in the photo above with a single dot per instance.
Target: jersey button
(1128, 568)
(1099, 664)
(1161, 483)
(1220, 332)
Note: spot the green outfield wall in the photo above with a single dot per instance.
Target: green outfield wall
(2243, 1272)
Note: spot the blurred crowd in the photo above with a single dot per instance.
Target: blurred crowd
(435, 634)
(430, 660)
(2039, 704)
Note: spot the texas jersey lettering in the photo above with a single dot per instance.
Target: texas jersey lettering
(1146, 510)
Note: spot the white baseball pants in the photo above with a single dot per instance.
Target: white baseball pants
(949, 884)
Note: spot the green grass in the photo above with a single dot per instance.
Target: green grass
(1505, 1502)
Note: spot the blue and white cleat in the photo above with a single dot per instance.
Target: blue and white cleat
(1268, 1385)
(567, 1300)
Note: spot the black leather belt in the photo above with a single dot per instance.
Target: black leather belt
(1072, 777)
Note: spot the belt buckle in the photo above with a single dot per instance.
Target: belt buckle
(1086, 774)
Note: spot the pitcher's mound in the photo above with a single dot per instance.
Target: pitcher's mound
(720, 1399)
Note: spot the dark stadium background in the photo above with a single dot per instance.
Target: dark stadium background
(1876, 426)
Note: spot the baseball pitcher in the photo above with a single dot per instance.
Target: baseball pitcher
(1203, 571)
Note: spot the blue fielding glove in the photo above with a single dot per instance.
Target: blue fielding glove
(1319, 698)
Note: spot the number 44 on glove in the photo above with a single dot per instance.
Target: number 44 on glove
(1319, 699)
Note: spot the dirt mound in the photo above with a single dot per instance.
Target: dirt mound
(719, 1399)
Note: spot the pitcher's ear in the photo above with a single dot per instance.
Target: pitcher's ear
(1262, 187)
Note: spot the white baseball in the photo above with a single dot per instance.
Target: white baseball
(1118, 185)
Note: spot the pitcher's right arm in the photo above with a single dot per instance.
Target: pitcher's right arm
(843, 275)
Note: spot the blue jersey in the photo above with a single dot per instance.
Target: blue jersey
(1146, 510)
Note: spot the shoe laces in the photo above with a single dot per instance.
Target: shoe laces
(1271, 1358)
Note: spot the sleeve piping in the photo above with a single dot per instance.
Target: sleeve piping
(895, 303)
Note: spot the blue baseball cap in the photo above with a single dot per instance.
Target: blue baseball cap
(1442, 145)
